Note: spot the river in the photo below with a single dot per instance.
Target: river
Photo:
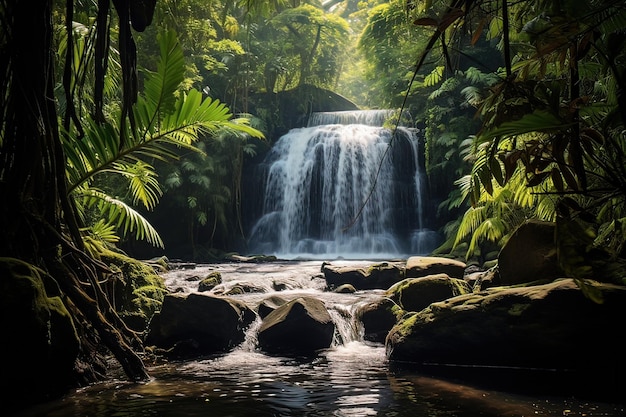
(351, 378)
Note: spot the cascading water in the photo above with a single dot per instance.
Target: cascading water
(344, 186)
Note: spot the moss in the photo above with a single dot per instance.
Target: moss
(404, 327)
(136, 289)
(518, 309)
(458, 286)
(35, 316)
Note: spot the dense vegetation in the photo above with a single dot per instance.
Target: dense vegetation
(119, 105)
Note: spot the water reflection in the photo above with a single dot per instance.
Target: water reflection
(352, 378)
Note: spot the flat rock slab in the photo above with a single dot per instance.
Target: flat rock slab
(421, 266)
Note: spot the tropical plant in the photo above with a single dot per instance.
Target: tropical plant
(554, 120)
(316, 38)
(204, 190)
(163, 124)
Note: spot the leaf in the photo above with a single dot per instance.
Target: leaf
(116, 212)
(479, 30)
(426, 21)
(538, 121)
(557, 180)
(496, 170)
(537, 178)
(569, 177)
(434, 77)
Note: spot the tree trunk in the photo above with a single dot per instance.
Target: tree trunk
(37, 217)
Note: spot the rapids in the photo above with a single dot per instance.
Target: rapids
(351, 378)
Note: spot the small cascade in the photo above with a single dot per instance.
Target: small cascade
(345, 187)
(360, 117)
(347, 328)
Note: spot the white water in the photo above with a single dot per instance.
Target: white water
(262, 281)
(351, 378)
(343, 190)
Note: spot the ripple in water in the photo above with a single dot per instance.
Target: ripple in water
(352, 378)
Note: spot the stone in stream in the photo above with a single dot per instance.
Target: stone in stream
(198, 324)
(301, 326)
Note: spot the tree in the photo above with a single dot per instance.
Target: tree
(38, 218)
(317, 38)
(553, 121)
(52, 289)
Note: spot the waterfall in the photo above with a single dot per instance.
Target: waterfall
(343, 186)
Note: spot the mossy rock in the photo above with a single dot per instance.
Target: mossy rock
(138, 290)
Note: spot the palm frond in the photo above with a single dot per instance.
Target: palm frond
(472, 218)
(160, 87)
(120, 214)
(538, 121)
(143, 183)
(104, 231)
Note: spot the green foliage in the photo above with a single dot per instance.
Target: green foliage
(551, 145)
(163, 122)
(134, 288)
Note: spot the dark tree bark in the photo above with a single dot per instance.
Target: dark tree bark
(37, 217)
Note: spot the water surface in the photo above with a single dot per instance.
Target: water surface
(351, 378)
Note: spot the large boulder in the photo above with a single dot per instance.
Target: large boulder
(421, 266)
(301, 326)
(529, 255)
(364, 277)
(378, 318)
(40, 343)
(198, 324)
(414, 294)
(269, 304)
(554, 327)
(138, 290)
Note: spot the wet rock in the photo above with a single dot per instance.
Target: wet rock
(301, 326)
(345, 289)
(269, 304)
(364, 277)
(481, 280)
(421, 266)
(378, 319)
(210, 281)
(205, 323)
(551, 326)
(252, 258)
(415, 294)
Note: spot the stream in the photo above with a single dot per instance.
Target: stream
(351, 378)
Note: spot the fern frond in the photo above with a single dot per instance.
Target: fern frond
(434, 77)
(121, 215)
(472, 218)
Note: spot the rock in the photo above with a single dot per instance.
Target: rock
(415, 294)
(210, 281)
(301, 326)
(345, 289)
(551, 327)
(529, 254)
(204, 323)
(420, 266)
(269, 304)
(251, 259)
(481, 280)
(39, 339)
(364, 277)
(137, 290)
(378, 319)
